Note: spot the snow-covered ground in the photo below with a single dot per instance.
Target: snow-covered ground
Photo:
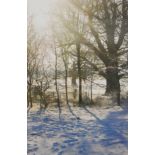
(99, 131)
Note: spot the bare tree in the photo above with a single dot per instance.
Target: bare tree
(107, 27)
(65, 57)
(43, 80)
(73, 18)
(56, 76)
(33, 45)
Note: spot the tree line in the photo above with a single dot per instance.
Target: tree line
(90, 37)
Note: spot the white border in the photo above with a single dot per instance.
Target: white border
(13, 114)
(141, 77)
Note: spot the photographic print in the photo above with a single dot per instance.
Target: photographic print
(77, 77)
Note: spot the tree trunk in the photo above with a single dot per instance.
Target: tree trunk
(79, 72)
(27, 101)
(56, 83)
(74, 74)
(66, 84)
(91, 89)
(113, 84)
(74, 84)
(29, 97)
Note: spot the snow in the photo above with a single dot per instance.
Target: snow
(99, 131)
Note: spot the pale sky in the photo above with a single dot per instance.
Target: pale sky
(41, 11)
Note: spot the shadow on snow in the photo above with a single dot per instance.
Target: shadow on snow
(66, 134)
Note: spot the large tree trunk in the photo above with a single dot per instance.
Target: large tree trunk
(113, 84)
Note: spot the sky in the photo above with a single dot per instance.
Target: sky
(41, 11)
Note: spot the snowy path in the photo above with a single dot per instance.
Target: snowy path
(98, 132)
